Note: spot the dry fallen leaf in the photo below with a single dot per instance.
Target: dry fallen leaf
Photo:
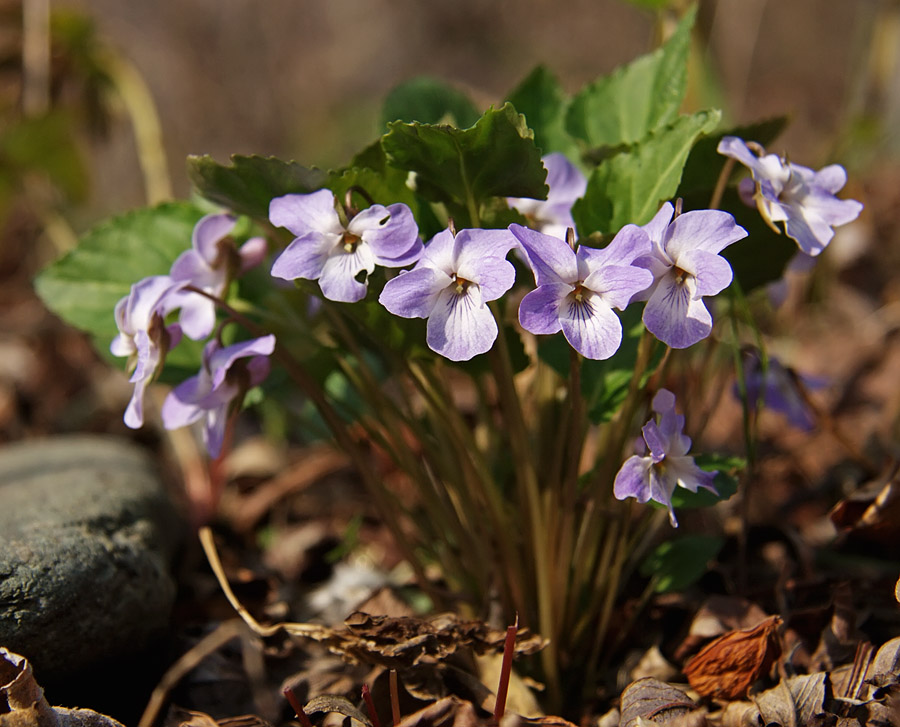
(651, 699)
(727, 667)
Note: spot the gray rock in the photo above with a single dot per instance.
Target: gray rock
(87, 535)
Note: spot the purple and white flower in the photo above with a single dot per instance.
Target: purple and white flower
(144, 337)
(451, 285)
(553, 216)
(801, 198)
(226, 375)
(326, 251)
(210, 265)
(686, 266)
(667, 466)
(780, 389)
(577, 290)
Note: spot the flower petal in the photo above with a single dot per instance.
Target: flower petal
(459, 326)
(338, 279)
(222, 359)
(414, 294)
(674, 316)
(391, 231)
(207, 234)
(551, 259)
(709, 230)
(656, 228)
(473, 246)
(618, 284)
(591, 327)
(633, 479)
(305, 257)
(712, 272)
(304, 213)
(539, 310)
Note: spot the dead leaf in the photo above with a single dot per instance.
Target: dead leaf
(795, 701)
(719, 615)
(871, 515)
(651, 699)
(333, 703)
(446, 712)
(727, 667)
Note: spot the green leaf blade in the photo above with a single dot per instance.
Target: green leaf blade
(635, 99)
(249, 183)
(629, 186)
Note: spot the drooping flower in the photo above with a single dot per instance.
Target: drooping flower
(686, 266)
(577, 290)
(801, 198)
(326, 251)
(553, 216)
(451, 285)
(780, 388)
(144, 337)
(226, 375)
(667, 466)
(211, 264)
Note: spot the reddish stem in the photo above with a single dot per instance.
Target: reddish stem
(395, 697)
(298, 708)
(509, 651)
(370, 705)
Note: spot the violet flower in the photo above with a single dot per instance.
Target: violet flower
(803, 199)
(686, 266)
(781, 389)
(144, 337)
(451, 285)
(667, 466)
(577, 290)
(553, 216)
(326, 251)
(226, 375)
(211, 264)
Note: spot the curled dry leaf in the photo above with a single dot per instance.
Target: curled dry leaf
(22, 702)
(727, 667)
(446, 712)
(795, 701)
(656, 701)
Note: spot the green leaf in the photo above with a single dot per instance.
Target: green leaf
(726, 482)
(543, 102)
(495, 157)
(623, 107)
(676, 564)
(84, 286)
(249, 183)
(628, 187)
(428, 101)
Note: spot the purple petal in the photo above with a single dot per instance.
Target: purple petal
(656, 441)
(391, 231)
(590, 327)
(734, 147)
(134, 413)
(685, 472)
(831, 178)
(223, 359)
(305, 257)
(633, 479)
(253, 252)
(656, 228)
(414, 294)
(304, 213)
(197, 317)
(661, 488)
(214, 431)
(459, 326)
(493, 275)
(674, 316)
(712, 272)
(539, 310)
(551, 259)
(180, 408)
(338, 279)
(619, 284)
(439, 253)
(629, 243)
(207, 234)
(473, 246)
(191, 268)
(565, 180)
(709, 230)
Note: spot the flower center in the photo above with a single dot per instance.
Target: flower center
(350, 242)
(681, 276)
(462, 285)
(578, 292)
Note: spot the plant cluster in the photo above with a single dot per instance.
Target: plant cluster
(412, 304)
